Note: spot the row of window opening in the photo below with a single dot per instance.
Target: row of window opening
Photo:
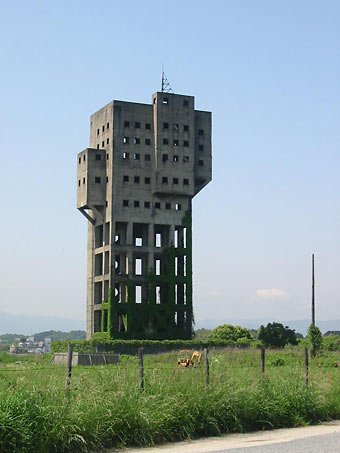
(147, 180)
(156, 205)
(137, 125)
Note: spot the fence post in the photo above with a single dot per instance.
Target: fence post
(206, 354)
(263, 356)
(141, 368)
(69, 364)
(306, 367)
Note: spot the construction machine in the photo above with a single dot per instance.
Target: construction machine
(184, 359)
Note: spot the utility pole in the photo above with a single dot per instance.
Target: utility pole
(313, 292)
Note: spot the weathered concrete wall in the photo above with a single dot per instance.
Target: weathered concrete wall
(86, 359)
(135, 186)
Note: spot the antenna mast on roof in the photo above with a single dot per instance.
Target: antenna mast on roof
(166, 87)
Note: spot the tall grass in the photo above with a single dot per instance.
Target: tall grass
(105, 408)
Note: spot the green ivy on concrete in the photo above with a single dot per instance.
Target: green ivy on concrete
(159, 317)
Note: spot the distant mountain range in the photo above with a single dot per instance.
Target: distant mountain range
(300, 326)
(29, 324)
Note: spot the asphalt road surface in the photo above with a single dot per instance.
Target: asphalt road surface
(323, 438)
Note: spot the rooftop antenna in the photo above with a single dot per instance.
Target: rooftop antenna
(166, 87)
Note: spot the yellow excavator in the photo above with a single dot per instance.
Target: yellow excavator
(184, 359)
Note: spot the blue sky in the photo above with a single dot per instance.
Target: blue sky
(268, 70)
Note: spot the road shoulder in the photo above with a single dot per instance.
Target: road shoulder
(230, 441)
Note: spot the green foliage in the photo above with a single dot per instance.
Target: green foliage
(10, 338)
(103, 344)
(331, 343)
(276, 335)
(105, 409)
(315, 338)
(229, 332)
(276, 361)
(202, 334)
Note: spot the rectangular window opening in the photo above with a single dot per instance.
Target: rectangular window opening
(138, 294)
(107, 233)
(138, 242)
(138, 266)
(158, 241)
(158, 294)
(98, 234)
(106, 264)
(98, 264)
(98, 292)
(158, 266)
(176, 239)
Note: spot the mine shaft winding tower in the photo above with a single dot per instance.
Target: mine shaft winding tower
(135, 185)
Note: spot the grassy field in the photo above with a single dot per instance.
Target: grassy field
(104, 407)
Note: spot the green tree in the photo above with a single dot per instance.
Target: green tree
(202, 334)
(315, 338)
(276, 335)
(230, 332)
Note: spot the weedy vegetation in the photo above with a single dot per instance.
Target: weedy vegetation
(104, 408)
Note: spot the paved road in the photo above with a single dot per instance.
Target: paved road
(325, 443)
(323, 438)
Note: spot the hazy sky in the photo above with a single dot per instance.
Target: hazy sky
(268, 70)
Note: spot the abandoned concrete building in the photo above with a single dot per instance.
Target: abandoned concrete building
(134, 186)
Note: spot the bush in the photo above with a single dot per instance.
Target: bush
(315, 338)
(228, 332)
(276, 335)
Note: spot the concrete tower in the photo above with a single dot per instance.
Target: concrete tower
(134, 186)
